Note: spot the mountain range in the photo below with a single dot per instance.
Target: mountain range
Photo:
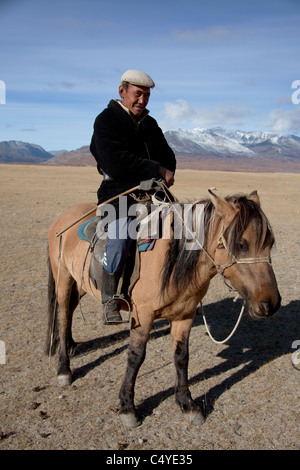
(202, 149)
(15, 151)
(235, 150)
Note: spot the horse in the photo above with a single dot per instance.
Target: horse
(172, 282)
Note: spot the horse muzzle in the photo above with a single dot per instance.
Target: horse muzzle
(264, 308)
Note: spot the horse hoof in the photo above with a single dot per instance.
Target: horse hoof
(65, 379)
(195, 417)
(129, 420)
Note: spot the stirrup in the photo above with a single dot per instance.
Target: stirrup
(120, 298)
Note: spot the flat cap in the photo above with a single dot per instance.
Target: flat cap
(138, 78)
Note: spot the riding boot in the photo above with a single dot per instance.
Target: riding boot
(111, 306)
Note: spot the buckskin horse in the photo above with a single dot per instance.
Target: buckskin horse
(173, 280)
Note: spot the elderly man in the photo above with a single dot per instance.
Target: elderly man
(129, 147)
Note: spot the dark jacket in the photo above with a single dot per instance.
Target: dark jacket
(127, 151)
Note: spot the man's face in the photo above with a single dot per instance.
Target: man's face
(135, 98)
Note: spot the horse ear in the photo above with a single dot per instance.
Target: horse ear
(223, 208)
(254, 197)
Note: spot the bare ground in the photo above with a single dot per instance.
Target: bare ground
(249, 389)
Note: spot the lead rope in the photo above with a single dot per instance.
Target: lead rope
(235, 326)
(163, 186)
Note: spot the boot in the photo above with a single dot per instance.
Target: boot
(111, 306)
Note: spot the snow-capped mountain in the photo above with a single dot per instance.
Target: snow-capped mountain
(242, 137)
(198, 149)
(205, 142)
(218, 142)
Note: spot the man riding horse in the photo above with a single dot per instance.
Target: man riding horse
(129, 147)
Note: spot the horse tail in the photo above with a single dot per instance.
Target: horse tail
(52, 332)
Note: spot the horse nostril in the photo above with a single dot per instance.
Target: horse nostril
(269, 307)
(264, 307)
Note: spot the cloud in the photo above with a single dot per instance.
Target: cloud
(284, 100)
(180, 110)
(28, 129)
(251, 82)
(181, 113)
(202, 35)
(283, 120)
(61, 85)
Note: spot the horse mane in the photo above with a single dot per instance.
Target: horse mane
(180, 264)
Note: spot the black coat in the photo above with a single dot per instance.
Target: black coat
(126, 151)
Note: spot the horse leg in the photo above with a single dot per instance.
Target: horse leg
(67, 301)
(180, 331)
(136, 356)
(74, 301)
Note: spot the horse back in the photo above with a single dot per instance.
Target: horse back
(72, 215)
(67, 224)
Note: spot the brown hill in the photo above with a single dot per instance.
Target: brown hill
(83, 157)
(79, 157)
(258, 165)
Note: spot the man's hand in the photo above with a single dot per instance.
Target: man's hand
(167, 175)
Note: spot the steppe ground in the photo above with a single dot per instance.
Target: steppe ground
(249, 389)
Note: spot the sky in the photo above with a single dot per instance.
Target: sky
(227, 63)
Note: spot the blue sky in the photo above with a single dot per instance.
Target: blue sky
(215, 63)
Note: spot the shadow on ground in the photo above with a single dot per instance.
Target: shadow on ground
(255, 344)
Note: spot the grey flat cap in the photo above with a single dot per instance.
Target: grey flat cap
(138, 78)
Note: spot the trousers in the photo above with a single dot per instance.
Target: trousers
(117, 246)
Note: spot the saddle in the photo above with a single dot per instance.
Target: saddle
(87, 231)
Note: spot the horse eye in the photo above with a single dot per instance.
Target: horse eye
(243, 245)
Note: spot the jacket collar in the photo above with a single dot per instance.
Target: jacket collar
(135, 120)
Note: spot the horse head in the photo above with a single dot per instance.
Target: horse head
(243, 252)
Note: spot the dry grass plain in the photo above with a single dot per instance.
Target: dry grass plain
(248, 388)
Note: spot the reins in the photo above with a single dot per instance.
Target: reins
(94, 208)
(219, 268)
(234, 328)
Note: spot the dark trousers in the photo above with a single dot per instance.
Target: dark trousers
(117, 246)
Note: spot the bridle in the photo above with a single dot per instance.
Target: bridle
(221, 243)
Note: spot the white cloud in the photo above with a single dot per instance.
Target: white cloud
(180, 110)
(282, 120)
(181, 114)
